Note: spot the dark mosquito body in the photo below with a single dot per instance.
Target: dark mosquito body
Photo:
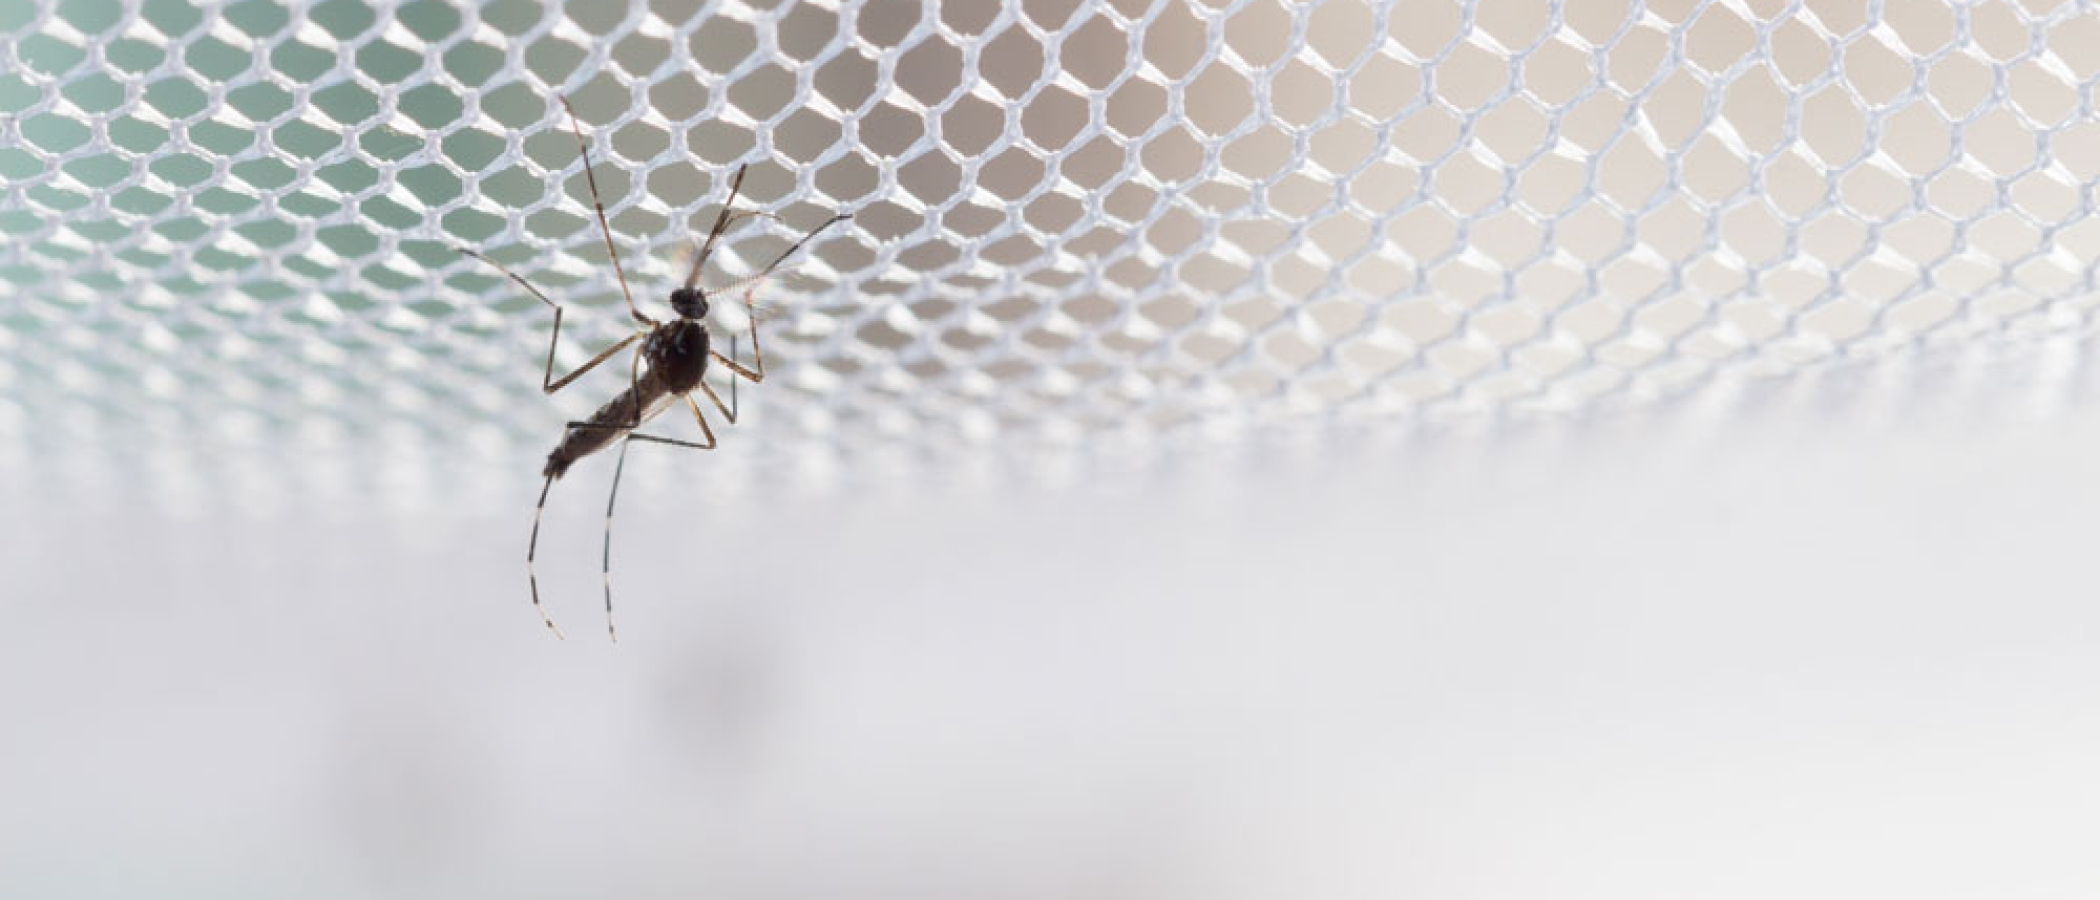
(670, 365)
(674, 362)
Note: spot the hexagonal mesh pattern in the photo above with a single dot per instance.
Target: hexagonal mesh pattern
(235, 223)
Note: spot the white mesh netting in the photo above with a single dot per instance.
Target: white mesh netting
(232, 224)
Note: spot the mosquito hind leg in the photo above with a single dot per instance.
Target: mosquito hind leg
(613, 499)
(612, 633)
(532, 550)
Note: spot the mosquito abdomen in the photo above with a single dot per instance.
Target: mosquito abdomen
(608, 425)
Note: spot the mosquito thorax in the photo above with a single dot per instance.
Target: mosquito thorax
(689, 303)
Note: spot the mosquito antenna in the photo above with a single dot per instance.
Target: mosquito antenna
(834, 220)
(698, 250)
(765, 310)
(721, 224)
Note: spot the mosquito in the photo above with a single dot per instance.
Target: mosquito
(669, 365)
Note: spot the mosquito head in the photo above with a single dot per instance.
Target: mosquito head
(689, 303)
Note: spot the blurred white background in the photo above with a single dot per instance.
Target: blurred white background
(1152, 499)
(1819, 643)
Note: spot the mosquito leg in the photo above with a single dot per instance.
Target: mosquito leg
(729, 411)
(634, 376)
(547, 382)
(614, 498)
(758, 355)
(583, 147)
(603, 355)
(612, 633)
(532, 550)
(655, 439)
(520, 279)
(586, 426)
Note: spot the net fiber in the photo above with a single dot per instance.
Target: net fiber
(238, 222)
